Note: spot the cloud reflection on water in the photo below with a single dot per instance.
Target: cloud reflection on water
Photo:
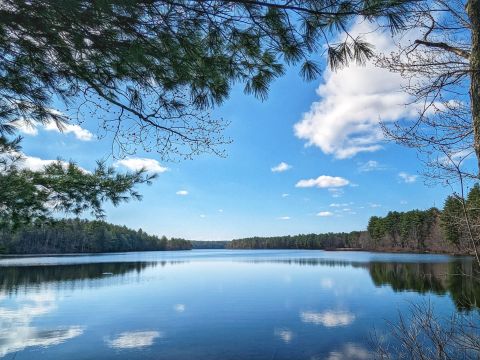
(134, 339)
(329, 318)
(16, 332)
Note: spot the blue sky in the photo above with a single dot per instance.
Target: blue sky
(328, 127)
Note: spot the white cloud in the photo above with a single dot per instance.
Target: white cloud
(370, 165)
(285, 195)
(35, 163)
(182, 192)
(179, 308)
(328, 318)
(336, 192)
(345, 120)
(373, 205)
(220, 210)
(31, 128)
(25, 127)
(134, 339)
(79, 132)
(341, 204)
(323, 181)
(283, 166)
(284, 218)
(324, 213)
(136, 164)
(203, 216)
(407, 178)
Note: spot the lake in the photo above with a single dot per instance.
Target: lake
(218, 304)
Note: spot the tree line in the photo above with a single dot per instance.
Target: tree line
(433, 230)
(301, 241)
(83, 236)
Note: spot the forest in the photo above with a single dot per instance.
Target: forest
(83, 236)
(441, 231)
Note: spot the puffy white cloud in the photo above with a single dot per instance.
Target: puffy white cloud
(407, 178)
(35, 163)
(136, 164)
(25, 127)
(327, 318)
(323, 181)
(345, 120)
(134, 339)
(324, 213)
(283, 166)
(31, 128)
(79, 132)
(182, 192)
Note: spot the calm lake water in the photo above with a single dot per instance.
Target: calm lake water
(217, 304)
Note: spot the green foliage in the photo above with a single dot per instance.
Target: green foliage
(82, 236)
(153, 64)
(303, 241)
(403, 229)
(31, 196)
(452, 219)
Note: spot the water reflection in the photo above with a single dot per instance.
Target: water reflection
(460, 279)
(134, 339)
(285, 334)
(12, 278)
(18, 333)
(350, 352)
(329, 318)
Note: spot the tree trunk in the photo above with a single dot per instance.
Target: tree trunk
(473, 11)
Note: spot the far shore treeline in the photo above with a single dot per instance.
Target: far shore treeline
(83, 236)
(432, 230)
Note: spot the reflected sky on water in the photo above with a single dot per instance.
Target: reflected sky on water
(218, 304)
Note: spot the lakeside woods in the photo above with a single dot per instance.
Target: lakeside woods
(83, 236)
(432, 230)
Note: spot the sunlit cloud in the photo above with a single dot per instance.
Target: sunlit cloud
(182, 192)
(283, 166)
(324, 213)
(323, 181)
(136, 164)
(134, 339)
(327, 318)
(31, 128)
(353, 101)
(286, 335)
(407, 178)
